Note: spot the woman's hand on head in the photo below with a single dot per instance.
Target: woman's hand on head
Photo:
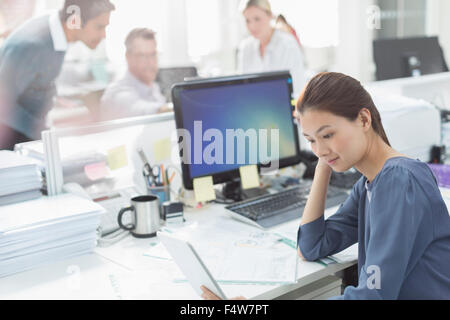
(208, 295)
(323, 166)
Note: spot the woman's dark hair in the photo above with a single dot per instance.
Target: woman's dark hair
(342, 96)
(87, 9)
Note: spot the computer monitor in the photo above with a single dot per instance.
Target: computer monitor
(229, 122)
(167, 77)
(408, 57)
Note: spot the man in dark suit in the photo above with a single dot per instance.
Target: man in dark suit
(31, 59)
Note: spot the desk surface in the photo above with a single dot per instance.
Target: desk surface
(122, 271)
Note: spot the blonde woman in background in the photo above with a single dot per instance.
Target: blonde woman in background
(268, 48)
(282, 24)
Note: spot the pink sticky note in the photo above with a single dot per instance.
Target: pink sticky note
(96, 171)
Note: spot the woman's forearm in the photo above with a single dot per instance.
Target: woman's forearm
(315, 206)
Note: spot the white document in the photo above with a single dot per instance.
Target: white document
(38, 233)
(20, 197)
(10, 160)
(41, 258)
(20, 174)
(240, 253)
(14, 189)
(46, 238)
(21, 251)
(46, 210)
(45, 230)
(20, 179)
(348, 255)
(191, 264)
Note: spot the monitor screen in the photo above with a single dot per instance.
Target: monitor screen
(167, 77)
(407, 57)
(227, 123)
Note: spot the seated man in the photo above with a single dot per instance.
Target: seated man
(136, 93)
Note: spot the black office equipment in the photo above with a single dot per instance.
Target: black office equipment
(167, 77)
(172, 212)
(408, 57)
(274, 209)
(207, 109)
(249, 103)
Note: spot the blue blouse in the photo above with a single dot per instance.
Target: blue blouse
(403, 229)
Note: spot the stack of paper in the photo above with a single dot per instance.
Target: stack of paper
(20, 178)
(45, 230)
(32, 149)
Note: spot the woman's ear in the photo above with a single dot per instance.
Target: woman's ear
(366, 118)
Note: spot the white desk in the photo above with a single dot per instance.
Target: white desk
(123, 272)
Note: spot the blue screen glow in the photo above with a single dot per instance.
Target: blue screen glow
(215, 116)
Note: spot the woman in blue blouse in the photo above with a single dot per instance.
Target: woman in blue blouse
(395, 211)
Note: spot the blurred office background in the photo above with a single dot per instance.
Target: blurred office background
(336, 35)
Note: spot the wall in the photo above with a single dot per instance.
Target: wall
(174, 26)
(438, 23)
(354, 52)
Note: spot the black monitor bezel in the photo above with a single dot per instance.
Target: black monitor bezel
(228, 176)
(388, 55)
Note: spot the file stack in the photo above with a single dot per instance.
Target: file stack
(20, 178)
(45, 230)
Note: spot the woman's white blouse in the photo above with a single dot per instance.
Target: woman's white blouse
(282, 53)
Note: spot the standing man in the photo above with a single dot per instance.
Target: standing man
(31, 59)
(136, 93)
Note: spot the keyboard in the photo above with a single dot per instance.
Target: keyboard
(271, 210)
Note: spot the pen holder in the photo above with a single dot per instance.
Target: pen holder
(162, 192)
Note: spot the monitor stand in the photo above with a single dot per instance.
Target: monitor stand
(233, 191)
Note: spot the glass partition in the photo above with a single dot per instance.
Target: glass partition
(104, 158)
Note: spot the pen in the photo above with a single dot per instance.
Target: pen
(171, 177)
(163, 176)
(166, 178)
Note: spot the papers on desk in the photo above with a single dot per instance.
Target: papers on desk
(445, 192)
(289, 236)
(20, 178)
(33, 150)
(42, 231)
(240, 254)
(236, 253)
(20, 197)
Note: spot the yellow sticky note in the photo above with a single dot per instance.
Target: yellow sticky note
(117, 158)
(161, 150)
(204, 190)
(249, 177)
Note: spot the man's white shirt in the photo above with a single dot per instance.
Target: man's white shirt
(130, 97)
